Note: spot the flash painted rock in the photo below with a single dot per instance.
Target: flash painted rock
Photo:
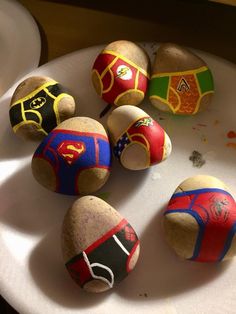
(138, 141)
(200, 220)
(99, 246)
(120, 73)
(38, 105)
(181, 82)
(74, 158)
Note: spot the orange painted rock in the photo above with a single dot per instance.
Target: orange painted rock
(138, 141)
(74, 158)
(99, 246)
(181, 82)
(200, 220)
(38, 105)
(120, 73)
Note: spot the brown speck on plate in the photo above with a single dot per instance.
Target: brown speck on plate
(197, 159)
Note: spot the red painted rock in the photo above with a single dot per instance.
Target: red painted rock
(200, 220)
(120, 73)
(100, 248)
(138, 141)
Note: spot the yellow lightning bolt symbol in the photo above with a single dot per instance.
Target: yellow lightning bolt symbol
(123, 71)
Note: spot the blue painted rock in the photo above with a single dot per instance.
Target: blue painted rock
(181, 81)
(38, 105)
(200, 220)
(99, 246)
(138, 140)
(74, 158)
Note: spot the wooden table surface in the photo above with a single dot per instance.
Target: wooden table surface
(66, 26)
(70, 25)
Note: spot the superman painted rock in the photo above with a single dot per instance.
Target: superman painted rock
(74, 158)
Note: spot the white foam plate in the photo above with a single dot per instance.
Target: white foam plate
(33, 277)
(20, 43)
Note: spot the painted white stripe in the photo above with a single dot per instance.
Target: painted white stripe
(120, 244)
(90, 266)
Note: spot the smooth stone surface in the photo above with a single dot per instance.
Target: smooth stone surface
(138, 141)
(200, 219)
(181, 82)
(74, 158)
(38, 105)
(99, 246)
(120, 73)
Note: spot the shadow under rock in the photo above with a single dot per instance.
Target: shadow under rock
(122, 184)
(12, 147)
(29, 207)
(160, 273)
(49, 273)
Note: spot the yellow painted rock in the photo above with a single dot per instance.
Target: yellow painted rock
(120, 73)
(38, 105)
(181, 82)
(200, 220)
(99, 246)
(74, 158)
(138, 141)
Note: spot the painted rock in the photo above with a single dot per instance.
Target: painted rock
(74, 158)
(120, 73)
(38, 105)
(181, 82)
(99, 246)
(200, 220)
(138, 141)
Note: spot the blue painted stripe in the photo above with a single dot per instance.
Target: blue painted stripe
(192, 201)
(200, 191)
(104, 153)
(200, 232)
(205, 211)
(228, 242)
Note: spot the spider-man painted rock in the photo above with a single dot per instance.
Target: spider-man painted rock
(200, 220)
(99, 246)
